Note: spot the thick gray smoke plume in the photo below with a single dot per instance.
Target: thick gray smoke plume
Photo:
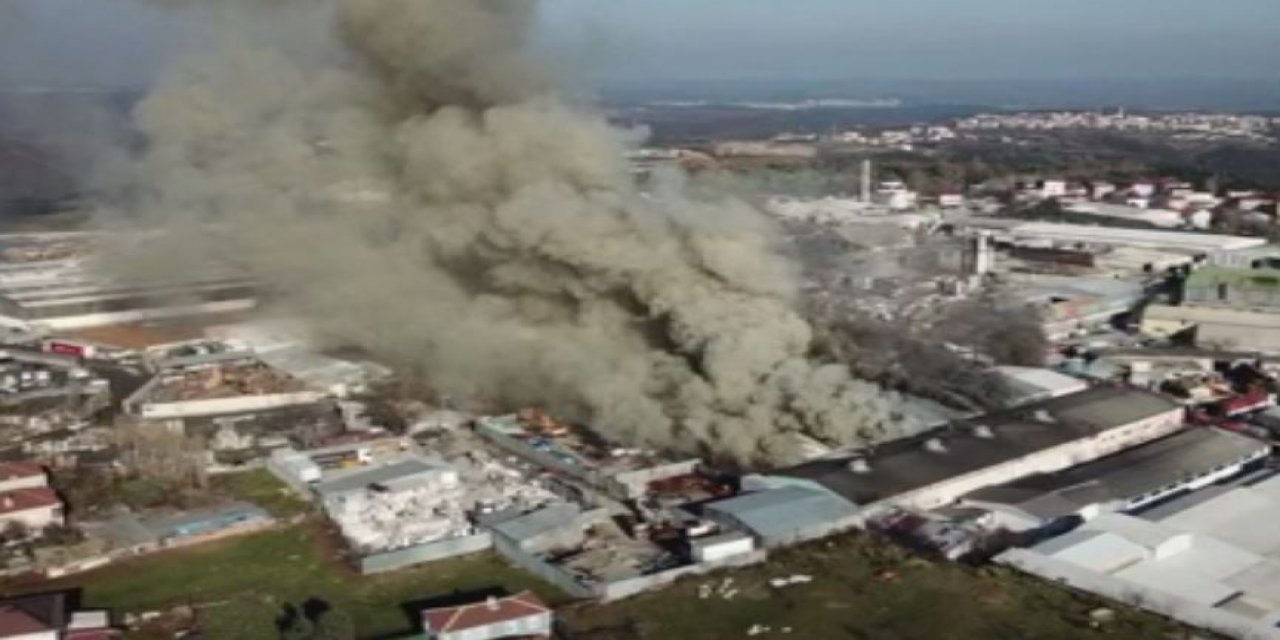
(418, 190)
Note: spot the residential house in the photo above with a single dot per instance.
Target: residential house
(26, 499)
(50, 616)
(523, 615)
(21, 475)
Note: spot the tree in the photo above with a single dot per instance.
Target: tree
(15, 531)
(334, 624)
(161, 452)
(295, 626)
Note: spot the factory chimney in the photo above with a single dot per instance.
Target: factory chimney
(979, 255)
(866, 181)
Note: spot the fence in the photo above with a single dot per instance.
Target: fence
(418, 554)
(609, 591)
(530, 562)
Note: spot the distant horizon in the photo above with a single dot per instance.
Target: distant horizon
(987, 51)
(1159, 94)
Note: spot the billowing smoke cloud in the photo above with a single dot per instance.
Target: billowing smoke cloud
(415, 187)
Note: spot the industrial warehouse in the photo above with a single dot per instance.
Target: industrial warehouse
(51, 281)
(936, 468)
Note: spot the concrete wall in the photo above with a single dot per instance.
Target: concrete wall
(548, 572)
(430, 552)
(220, 406)
(1192, 613)
(634, 484)
(1218, 335)
(1047, 461)
(606, 592)
(627, 588)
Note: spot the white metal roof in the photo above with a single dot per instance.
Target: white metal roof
(1097, 551)
(1034, 381)
(1186, 584)
(1198, 242)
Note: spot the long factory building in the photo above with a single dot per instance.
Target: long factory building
(50, 281)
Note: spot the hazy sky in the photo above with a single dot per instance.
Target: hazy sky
(119, 41)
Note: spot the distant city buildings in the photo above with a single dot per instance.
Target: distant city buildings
(1182, 126)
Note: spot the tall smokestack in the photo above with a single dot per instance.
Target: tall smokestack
(866, 181)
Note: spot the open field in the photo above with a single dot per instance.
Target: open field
(263, 489)
(241, 585)
(862, 590)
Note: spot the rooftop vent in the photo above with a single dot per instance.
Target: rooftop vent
(860, 465)
(935, 445)
(984, 432)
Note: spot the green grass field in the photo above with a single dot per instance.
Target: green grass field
(263, 489)
(243, 583)
(863, 590)
(240, 585)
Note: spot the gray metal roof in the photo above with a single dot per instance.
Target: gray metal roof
(905, 465)
(536, 523)
(404, 470)
(781, 512)
(1125, 475)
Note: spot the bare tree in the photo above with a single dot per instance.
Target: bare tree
(160, 451)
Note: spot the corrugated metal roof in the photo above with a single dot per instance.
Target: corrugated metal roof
(404, 470)
(782, 512)
(905, 465)
(1129, 474)
(536, 523)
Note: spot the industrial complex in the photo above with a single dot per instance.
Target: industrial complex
(1128, 453)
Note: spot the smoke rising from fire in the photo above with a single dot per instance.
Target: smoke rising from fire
(402, 174)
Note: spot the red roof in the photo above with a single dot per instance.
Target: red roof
(92, 634)
(482, 614)
(31, 614)
(23, 469)
(16, 622)
(25, 499)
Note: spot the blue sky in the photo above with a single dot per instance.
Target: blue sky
(120, 41)
(922, 38)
